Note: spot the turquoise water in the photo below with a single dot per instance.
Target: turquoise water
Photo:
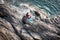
(50, 7)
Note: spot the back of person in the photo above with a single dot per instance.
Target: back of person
(24, 19)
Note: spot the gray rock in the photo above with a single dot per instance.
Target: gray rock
(11, 27)
(25, 35)
(1, 1)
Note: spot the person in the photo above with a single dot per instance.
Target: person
(24, 20)
(28, 15)
(27, 18)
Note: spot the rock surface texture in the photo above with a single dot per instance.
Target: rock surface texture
(11, 27)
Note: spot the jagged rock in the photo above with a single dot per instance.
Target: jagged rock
(11, 27)
(6, 31)
(6, 24)
(7, 35)
(35, 36)
(26, 35)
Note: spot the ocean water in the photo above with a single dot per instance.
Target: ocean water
(51, 7)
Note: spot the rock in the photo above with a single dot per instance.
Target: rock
(35, 36)
(6, 27)
(7, 31)
(25, 35)
(7, 35)
(1, 1)
(6, 24)
(36, 13)
(11, 27)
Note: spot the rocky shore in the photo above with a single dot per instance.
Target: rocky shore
(11, 27)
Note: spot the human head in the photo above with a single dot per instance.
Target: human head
(28, 15)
